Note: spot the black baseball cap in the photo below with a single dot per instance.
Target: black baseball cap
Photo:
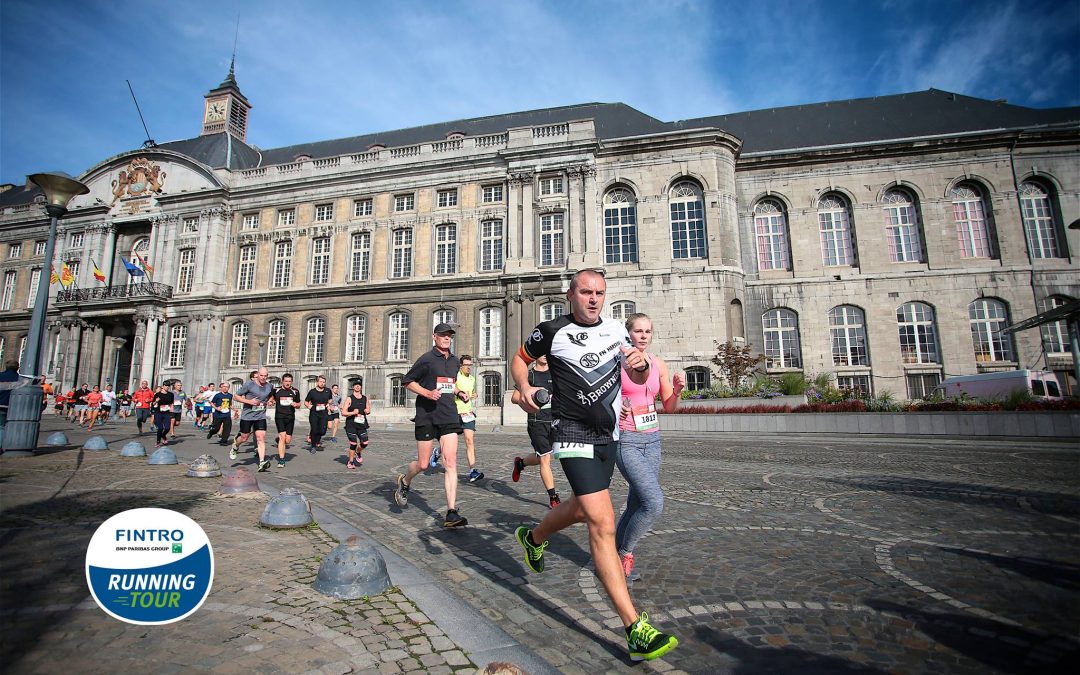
(444, 328)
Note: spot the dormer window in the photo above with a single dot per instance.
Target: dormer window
(302, 158)
(375, 147)
(455, 135)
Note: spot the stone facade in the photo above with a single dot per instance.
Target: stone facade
(240, 253)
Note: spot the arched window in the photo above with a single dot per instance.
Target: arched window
(847, 327)
(736, 320)
(834, 226)
(398, 343)
(620, 226)
(446, 249)
(988, 316)
(140, 251)
(770, 226)
(177, 345)
(397, 391)
(621, 311)
(550, 310)
(1040, 227)
(355, 337)
(687, 221)
(918, 333)
(275, 346)
(444, 316)
(697, 378)
(1055, 335)
(972, 229)
(316, 340)
(490, 333)
(492, 389)
(238, 349)
(781, 327)
(902, 226)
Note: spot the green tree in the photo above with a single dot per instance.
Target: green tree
(734, 363)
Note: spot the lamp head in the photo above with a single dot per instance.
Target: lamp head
(59, 188)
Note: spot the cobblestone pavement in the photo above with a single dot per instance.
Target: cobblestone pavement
(784, 554)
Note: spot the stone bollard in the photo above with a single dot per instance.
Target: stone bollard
(352, 570)
(288, 509)
(57, 439)
(163, 456)
(95, 443)
(240, 480)
(133, 449)
(204, 466)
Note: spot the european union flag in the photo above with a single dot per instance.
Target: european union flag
(132, 268)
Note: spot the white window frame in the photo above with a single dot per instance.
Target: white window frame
(397, 343)
(1040, 222)
(286, 217)
(177, 345)
(398, 394)
(363, 208)
(324, 213)
(360, 256)
(447, 198)
(35, 280)
(245, 269)
(315, 340)
(552, 250)
(492, 245)
(283, 253)
(14, 251)
(185, 272)
(988, 316)
(75, 240)
(620, 227)
(1055, 335)
(11, 278)
(39, 247)
(404, 202)
(492, 194)
(276, 342)
(834, 228)
(550, 310)
(238, 347)
(401, 259)
(783, 347)
(902, 226)
(847, 331)
(972, 226)
(190, 225)
(623, 309)
(770, 232)
(490, 333)
(446, 248)
(551, 185)
(696, 372)
(356, 337)
(250, 221)
(686, 211)
(320, 261)
(917, 328)
(492, 387)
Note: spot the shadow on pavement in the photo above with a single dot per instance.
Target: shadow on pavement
(769, 659)
(1054, 572)
(948, 491)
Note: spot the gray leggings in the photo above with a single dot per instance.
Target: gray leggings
(638, 460)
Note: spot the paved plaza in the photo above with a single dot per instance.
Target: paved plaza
(773, 555)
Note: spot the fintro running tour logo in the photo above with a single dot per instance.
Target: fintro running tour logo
(149, 566)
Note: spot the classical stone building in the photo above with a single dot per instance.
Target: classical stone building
(885, 241)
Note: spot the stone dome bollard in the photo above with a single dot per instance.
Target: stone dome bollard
(204, 466)
(57, 439)
(133, 449)
(163, 456)
(95, 443)
(288, 509)
(240, 480)
(352, 570)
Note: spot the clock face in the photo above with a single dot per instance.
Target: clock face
(215, 111)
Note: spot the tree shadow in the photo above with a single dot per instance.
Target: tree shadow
(1050, 503)
(769, 659)
(1054, 572)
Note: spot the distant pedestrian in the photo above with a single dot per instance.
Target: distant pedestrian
(221, 404)
(465, 393)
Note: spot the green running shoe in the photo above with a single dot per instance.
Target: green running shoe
(534, 555)
(645, 642)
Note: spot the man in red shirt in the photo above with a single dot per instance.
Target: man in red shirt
(93, 405)
(142, 398)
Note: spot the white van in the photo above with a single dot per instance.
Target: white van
(1040, 384)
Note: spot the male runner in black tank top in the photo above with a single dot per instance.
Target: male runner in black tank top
(286, 401)
(355, 409)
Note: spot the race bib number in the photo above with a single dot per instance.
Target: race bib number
(645, 417)
(568, 450)
(468, 417)
(166, 408)
(258, 406)
(285, 401)
(320, 407)
(444, 385)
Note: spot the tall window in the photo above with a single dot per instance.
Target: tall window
(316, 339)
(401, 265)
(972, 231)
(492, 389)
(921, 385)
(770, 226)
(490, 333)
(687, 221)
(781, 328)
(35, 281)
(446, 198)
(902, 227)
(847, 327)
(404, 202)
(283, 251)
(550, 310)
(320, 261)
(492, 194)
(177, 345)
(186, 273)
(360, 264)
(251, 221)
(988, 317)
(621, 311)
(74, 266)
(857, 384)
(620, 227)
(1055, 335)
(286, 217)
(355, 337)
(918, 334)
(397, 391)
(446, 249)
(551, 239)
(362, 207)
(14, 251)
(697, 378)
(22, 349)
(324, 213)
(39, 248)
(191, 225)
(1039, 226)
(275, 345)
(834, 226)
(238, 352)
(141, 249)
(245, 273)
(75, 240)
(491, 245)
(398, 344)
(10, 279)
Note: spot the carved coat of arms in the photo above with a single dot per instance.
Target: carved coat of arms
(141, 178)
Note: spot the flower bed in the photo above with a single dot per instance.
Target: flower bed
(703, 408)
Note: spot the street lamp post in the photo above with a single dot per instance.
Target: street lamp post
(24, 407)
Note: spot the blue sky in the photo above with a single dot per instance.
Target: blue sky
(320, 69)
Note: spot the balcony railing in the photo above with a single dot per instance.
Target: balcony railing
(145, 290)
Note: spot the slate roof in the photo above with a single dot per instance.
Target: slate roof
(219, 151)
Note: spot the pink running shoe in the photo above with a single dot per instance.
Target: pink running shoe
(627, 564)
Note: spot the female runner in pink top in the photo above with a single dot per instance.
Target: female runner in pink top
(638, 457)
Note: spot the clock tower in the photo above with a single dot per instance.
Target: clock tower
(226, 108)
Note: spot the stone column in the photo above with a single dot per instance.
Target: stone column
(138, 346)
(593, 248)
(108, 255)
(150, 343)
(513, 219)
(97, 351)
(212, 273)
(71, 351)
(161, 257)
(574, 234)
(528, 224)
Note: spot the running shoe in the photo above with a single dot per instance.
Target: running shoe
(401, 494)
(281, 464)
(454, 519)
(333, 440)
(475, 475)
(350, 465)
(233, 454)
(359, 459)
(534, 555)
(436, 453)
(645, 642)
(554, 500)
(264, 465)
(519, 466)
(209, 434)
(311, 449)
(627, 564)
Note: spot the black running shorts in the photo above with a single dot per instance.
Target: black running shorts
(429, 432)
(357, 435)
(247, 426)
(587, 476)
(540, 435)
(285, 424)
